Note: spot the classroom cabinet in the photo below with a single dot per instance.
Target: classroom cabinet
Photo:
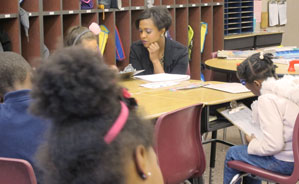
(49, 21)
(238, 16)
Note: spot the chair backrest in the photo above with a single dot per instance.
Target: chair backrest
(295, 174)
(16, 171)
(178, 144)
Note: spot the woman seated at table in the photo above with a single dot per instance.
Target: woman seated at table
(95, 137)
(155, 53)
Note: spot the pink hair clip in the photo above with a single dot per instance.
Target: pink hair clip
(95, 28)
(118, 124)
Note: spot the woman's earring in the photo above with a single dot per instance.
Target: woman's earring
(144, 176)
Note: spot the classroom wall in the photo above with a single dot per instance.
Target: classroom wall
(291, 29)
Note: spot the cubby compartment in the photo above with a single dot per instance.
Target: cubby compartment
(181, 20)
(206, 1)
(124, 27)
(30, 5)
(53, 31)
(125, 3)
(52, 5)
(194, 1)
(207, 17)
(12, 28)
(9, 6)
(168, 2)
(195, 60)
(185, 2)
(137, 2)
(157, 2)
(31, 46)
(219, 1)
(70, 21)
(88, 18)
(71, 5)
(109, 22)
(135, 31)
(218, 34)
(173, 24)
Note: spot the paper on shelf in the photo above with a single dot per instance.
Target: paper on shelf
(163, 77)
(282, 11)
(229, 87)
(273, 14)
(243, 120)
(257, 10)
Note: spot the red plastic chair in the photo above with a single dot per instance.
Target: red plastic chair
(16, 171)
(268, 175)
(178, 145)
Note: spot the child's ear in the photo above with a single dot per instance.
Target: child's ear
(140, 160)
(257, 83)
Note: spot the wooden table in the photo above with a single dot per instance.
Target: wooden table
(230, 65)
(154, 102)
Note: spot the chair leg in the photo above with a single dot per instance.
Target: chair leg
(238, 177)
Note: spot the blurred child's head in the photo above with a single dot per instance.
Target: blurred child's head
(254, 70)
(15, 73)
(81, 35)
(87, 142)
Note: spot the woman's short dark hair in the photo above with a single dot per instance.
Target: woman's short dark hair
(256, 67)
(76, 34)
(160, 16)
(77, 92)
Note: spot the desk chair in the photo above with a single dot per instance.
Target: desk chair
(178, 145)
(268, 175)
(16, 171)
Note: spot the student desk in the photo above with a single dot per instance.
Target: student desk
(230, 66)
(155, 102)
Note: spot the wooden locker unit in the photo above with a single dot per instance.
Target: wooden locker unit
(49, 21)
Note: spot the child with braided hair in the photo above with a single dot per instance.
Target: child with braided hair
(275, 112)
(95, 138)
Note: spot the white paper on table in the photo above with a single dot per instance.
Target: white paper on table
(163, 77)
(257, 10)
(273, 14)
(243, 120)
(282, 11)
(155, 85)
(229, 87)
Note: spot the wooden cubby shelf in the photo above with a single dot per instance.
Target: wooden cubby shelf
(49, 21)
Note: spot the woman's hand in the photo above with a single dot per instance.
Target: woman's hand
(153, 50)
